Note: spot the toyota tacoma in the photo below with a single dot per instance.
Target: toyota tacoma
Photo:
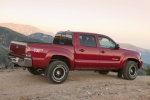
(75, 51)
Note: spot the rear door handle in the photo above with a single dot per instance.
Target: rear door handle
(102, 51)
(81, 50)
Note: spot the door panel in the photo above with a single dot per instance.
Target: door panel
(87, 53)
(109, 56)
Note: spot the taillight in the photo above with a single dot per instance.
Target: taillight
(28, 52)
(28, 55)
(28, 48)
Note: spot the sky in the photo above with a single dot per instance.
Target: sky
(125, 21)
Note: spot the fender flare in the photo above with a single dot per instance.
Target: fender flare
(65, 53)
(126, 57)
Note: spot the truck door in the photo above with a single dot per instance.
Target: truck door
(87, 52)
(109, 56)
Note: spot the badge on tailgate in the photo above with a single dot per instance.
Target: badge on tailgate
(37, 50)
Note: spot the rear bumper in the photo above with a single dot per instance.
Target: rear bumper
(22, 62)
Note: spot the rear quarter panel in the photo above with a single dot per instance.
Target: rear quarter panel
(41, 54)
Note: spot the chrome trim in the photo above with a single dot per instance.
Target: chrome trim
(23, 62)
(21, 43)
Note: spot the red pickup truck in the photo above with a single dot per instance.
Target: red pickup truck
(75, 51)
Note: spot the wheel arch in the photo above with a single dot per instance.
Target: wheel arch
(127, 56)
(61, 58)
(132, 59)
(65, 56)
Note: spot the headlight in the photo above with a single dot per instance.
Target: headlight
(140, 55)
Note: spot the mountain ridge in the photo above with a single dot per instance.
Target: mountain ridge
(7, 35)
(24, 29)
(128, 46)
(42, 36)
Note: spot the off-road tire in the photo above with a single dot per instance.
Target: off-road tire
(57, 72)
(130, 70)
(103, 72)
(35, 71)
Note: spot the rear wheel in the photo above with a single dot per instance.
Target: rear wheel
(35, 71)
(57, 72)
(130, 70)
(103, 72)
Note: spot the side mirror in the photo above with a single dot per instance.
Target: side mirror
(117, 46)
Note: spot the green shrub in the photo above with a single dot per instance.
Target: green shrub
(148, 70)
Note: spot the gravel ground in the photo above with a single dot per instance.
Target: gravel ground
(80, 85)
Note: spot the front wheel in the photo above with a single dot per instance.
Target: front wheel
(57, 72)
(130, 70)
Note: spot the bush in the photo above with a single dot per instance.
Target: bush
(148, 70)
(6, 64)
(141, 72)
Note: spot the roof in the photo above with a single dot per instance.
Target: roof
(74, 32)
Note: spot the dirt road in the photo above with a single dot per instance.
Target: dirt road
(80, 85)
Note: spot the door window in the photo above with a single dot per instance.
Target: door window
(106, 42)
(87, 40)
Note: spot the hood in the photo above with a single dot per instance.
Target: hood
(131, 51)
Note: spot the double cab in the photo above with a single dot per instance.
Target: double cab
(75, 51)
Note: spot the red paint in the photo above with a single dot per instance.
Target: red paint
(79, 56)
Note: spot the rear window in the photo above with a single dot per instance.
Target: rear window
(64, 39)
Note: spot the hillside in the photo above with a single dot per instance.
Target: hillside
(7, 35)
(24, 29)
(3, 53)
(41, 36)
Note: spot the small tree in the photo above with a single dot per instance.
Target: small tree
(148, 70)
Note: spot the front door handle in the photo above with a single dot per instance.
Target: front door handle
(81, 50)
(115, 59)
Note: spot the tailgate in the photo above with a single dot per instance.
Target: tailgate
(18, 48)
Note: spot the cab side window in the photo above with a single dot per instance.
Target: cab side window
(87, 40)
(63, 39)
(106, 42)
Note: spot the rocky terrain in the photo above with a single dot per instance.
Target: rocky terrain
(80, 85)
